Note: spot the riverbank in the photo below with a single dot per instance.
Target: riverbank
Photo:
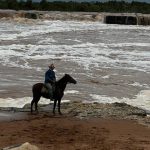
(82, 126)
(103, 17)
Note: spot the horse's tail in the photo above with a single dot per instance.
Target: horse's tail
(36, 90)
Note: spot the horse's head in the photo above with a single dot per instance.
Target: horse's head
(69, 79)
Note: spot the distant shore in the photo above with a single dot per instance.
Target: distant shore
(108, 18)
(51, 15)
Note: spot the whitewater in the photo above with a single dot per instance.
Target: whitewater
(111, 63)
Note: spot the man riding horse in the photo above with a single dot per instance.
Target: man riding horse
(59, 86)
(50, 80)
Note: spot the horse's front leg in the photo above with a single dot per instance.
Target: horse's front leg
(59, 102)
(55, 101)
(36, 107)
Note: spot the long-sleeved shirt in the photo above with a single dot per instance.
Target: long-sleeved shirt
(50, 76)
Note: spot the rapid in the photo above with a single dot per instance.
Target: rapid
(111, 63)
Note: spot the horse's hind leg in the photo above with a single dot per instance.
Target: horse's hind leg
(59, 101)
(35, 100)
(55, 101)
(36, 105)
(32, 102)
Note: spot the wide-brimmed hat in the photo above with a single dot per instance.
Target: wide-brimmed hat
(51, 66)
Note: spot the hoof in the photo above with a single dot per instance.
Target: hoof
(60, 113)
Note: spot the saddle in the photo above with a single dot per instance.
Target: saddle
(44, 89)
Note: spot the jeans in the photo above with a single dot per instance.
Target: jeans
(50, 90)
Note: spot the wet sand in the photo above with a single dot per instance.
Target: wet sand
(50, 132)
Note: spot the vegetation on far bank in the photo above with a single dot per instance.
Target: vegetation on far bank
(111, 6)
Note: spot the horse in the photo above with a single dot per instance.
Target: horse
(60, 86)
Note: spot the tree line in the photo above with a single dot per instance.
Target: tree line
(110, 6)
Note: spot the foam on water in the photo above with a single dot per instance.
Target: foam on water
(140, 85)
(85, 54)
(20, 102)
(71, 92)
(142, 99)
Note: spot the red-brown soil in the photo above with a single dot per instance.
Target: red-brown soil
(62, 132)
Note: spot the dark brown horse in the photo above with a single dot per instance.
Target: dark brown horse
(60, 86)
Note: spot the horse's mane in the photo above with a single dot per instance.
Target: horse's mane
(61, 80)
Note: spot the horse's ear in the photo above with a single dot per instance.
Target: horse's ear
(67, 75)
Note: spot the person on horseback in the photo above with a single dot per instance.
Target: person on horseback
(50, 80)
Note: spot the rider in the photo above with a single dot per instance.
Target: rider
(50, 80)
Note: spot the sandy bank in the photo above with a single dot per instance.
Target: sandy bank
(82, 126)
(82, 110)
(60, 132)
